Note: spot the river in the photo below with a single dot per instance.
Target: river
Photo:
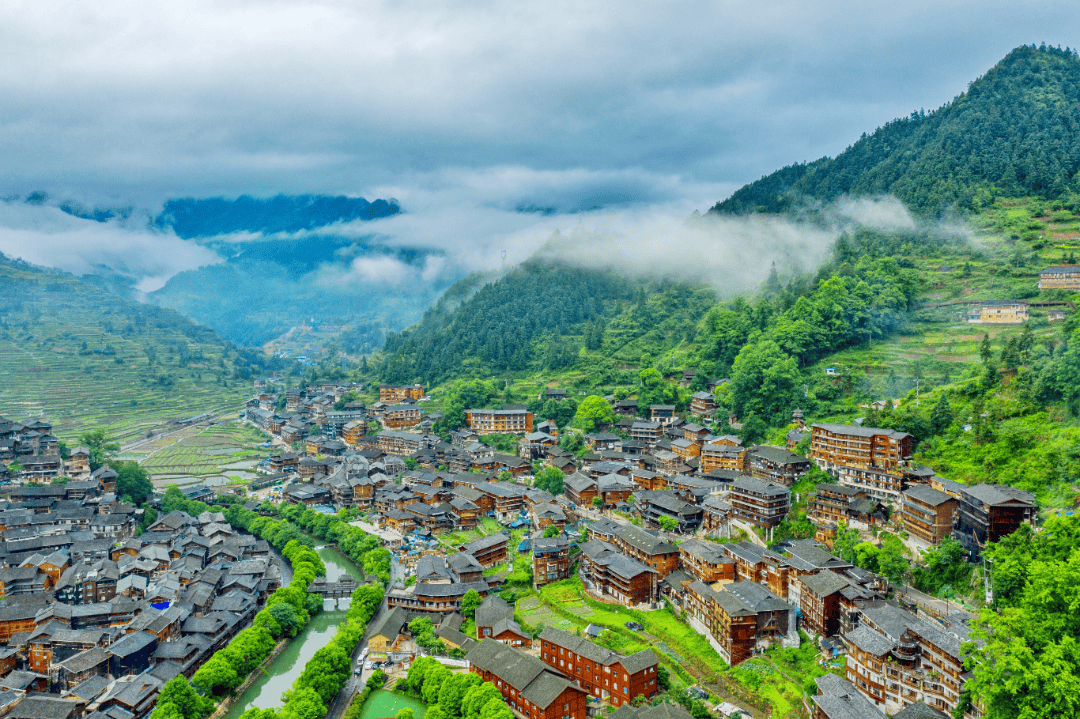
(266, 692)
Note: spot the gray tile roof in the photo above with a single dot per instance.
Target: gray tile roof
(839, 699)
(870, 641)
(856, 431)
(926, 493)
(825, 583)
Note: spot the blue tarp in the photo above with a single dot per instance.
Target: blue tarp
(524, 546)
(161, 605)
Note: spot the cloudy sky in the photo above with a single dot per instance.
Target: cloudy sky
(466, 110)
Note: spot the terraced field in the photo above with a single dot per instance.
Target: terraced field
(85, 358)
(226, 452)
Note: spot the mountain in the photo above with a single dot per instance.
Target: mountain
(1015, 132)
(298, 261)
(84, 357)
(539, 317)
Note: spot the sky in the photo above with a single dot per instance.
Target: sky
(463, 111)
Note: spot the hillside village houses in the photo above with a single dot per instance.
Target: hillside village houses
(647, 514)
(98, 619)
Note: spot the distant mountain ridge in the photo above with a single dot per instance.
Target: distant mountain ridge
(282, 273)
(1015, 132)
(194, 218)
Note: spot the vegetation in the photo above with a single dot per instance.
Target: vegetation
(451, 695)
(1025, 656)
(126, 367)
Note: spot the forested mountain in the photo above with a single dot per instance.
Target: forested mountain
(498, 328)
(1015, 132)
(85, 358)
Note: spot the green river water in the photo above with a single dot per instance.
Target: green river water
(265, 693)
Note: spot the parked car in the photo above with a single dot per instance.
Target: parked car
(634, 626)
(367, 666)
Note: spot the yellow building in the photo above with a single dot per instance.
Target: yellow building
(1000, 312)
(1060, 277)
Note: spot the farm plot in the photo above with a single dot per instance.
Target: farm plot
(208, 453)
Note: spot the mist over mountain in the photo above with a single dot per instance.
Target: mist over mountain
(288, 261)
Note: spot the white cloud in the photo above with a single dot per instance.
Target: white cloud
(48, 236)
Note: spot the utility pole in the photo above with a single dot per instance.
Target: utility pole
(916, 391)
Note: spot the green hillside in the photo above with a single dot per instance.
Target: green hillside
(86, 358)
(886, 310)
(1015, 132)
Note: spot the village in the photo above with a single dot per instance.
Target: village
(101, 604)
(656, 511)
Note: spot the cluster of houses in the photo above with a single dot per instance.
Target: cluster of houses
(29, 452)
(550, 676)
(874, 469)
(1013, 312)
(94, 620)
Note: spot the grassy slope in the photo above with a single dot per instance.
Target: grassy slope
(771, 686)
(45, 320)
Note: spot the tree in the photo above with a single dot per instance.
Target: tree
(668, 524)
(185, 700)
(287, 618)
(463, 395)
(404, 713)
(469, 603)
(891, 561)
(764, 381)
(453, 691)
(598, 502)
(941, 416)
(132, 480)
(477, 698)
(1025, 657)
(550, 479)
(594, 411)
(984, 349)
(663, 677)
(216, 674)
(551, 531)
(100, 448)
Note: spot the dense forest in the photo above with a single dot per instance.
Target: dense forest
(1015, 132)
(497, 328)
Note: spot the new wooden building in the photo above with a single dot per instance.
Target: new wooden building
(531, 688)
(511, 419)
(551, 559)
(842, 445)
(1060, 277)
(398, 393)
(611, 576)
(399, 416)
(600, 671)
(989, 512)
(760, 503)
(927, 514)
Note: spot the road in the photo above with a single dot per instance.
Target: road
(356, 683)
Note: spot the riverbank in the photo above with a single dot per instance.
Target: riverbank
(228, 702)
(264, 688)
